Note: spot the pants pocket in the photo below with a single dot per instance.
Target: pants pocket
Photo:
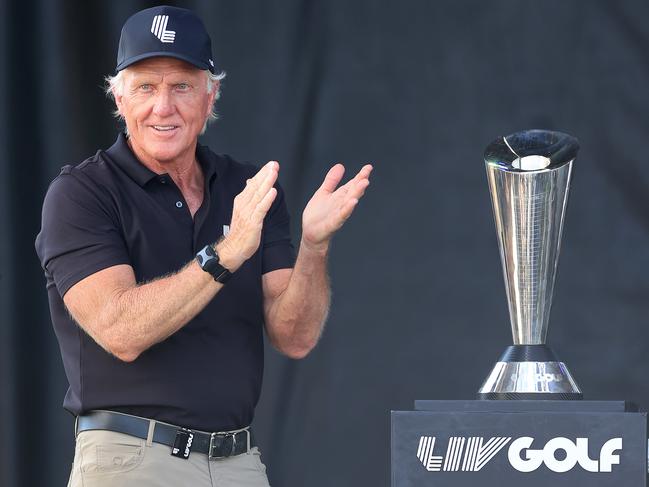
(256, 454)
(118, 458)
(109, 453)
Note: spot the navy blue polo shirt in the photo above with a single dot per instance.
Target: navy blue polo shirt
(111, 210)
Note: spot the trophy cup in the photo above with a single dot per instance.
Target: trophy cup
(529, 176)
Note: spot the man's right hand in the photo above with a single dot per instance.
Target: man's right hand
(248, 213)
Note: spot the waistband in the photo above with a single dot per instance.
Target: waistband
(183, 441)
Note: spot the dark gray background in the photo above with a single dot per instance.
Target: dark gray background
(419, 88)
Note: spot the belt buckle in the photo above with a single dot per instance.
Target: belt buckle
(222, 438)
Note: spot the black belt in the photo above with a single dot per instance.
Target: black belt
(182, 440)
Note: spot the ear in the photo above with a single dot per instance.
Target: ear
(212, 97)
(118, 100)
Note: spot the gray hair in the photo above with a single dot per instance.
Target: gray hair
(115, 84)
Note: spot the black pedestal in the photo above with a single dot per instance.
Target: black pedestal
(514, 443)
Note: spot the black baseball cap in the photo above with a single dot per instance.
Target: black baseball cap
(165, 31)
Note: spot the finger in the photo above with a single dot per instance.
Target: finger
(332, 178)
(265, 185)
(251, 186)
(253, 183)
(264, 205)
(347, 209)
(358, 190)
(263, 172)
(364, 173)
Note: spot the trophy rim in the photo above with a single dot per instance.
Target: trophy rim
(560, 148)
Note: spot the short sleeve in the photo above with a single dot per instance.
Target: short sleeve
(278, 251)
(78, 236)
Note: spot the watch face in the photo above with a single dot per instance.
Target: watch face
(208, 259)
(205, 255)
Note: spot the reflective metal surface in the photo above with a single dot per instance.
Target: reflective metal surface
(529, 176)
(530, 377)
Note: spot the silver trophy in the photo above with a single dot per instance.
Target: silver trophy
(529, 176)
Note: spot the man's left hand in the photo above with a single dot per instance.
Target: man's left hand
(329, 207)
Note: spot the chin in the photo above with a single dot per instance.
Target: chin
(166, 151)
(165, 155)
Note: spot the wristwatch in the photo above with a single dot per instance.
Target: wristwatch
(208, 259)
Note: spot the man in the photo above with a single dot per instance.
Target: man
(162, 261)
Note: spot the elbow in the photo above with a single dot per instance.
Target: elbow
(123, 353)
(111, 331)
(292, 339)
(297, 351)
(126, 356)
(121, 347)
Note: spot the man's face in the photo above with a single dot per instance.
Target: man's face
(165, 104)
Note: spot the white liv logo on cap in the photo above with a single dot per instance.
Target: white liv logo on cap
(159, 29)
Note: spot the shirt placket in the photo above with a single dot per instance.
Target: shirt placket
(174, 202)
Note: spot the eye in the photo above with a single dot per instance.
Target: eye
(183, 86)
(145, 87)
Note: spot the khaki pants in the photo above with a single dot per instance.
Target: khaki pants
(106, 458)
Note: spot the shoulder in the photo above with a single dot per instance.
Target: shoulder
(85, 184)
(90, 173)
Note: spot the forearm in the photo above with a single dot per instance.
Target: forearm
(296, 318)
(141, 316)
(127, 318)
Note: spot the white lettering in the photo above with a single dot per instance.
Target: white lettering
(532, 459)
(189, 445)
(550, 451)
(606, 456)
(575, 453)
(583, 459)
(560, 455)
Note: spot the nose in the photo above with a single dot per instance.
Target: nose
(163, 105)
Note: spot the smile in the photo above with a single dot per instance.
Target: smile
(164, 128)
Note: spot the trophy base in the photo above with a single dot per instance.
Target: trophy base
(530, 396)
(529, 372)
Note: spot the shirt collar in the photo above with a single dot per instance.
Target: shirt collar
(211, 163)
(123, 156)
